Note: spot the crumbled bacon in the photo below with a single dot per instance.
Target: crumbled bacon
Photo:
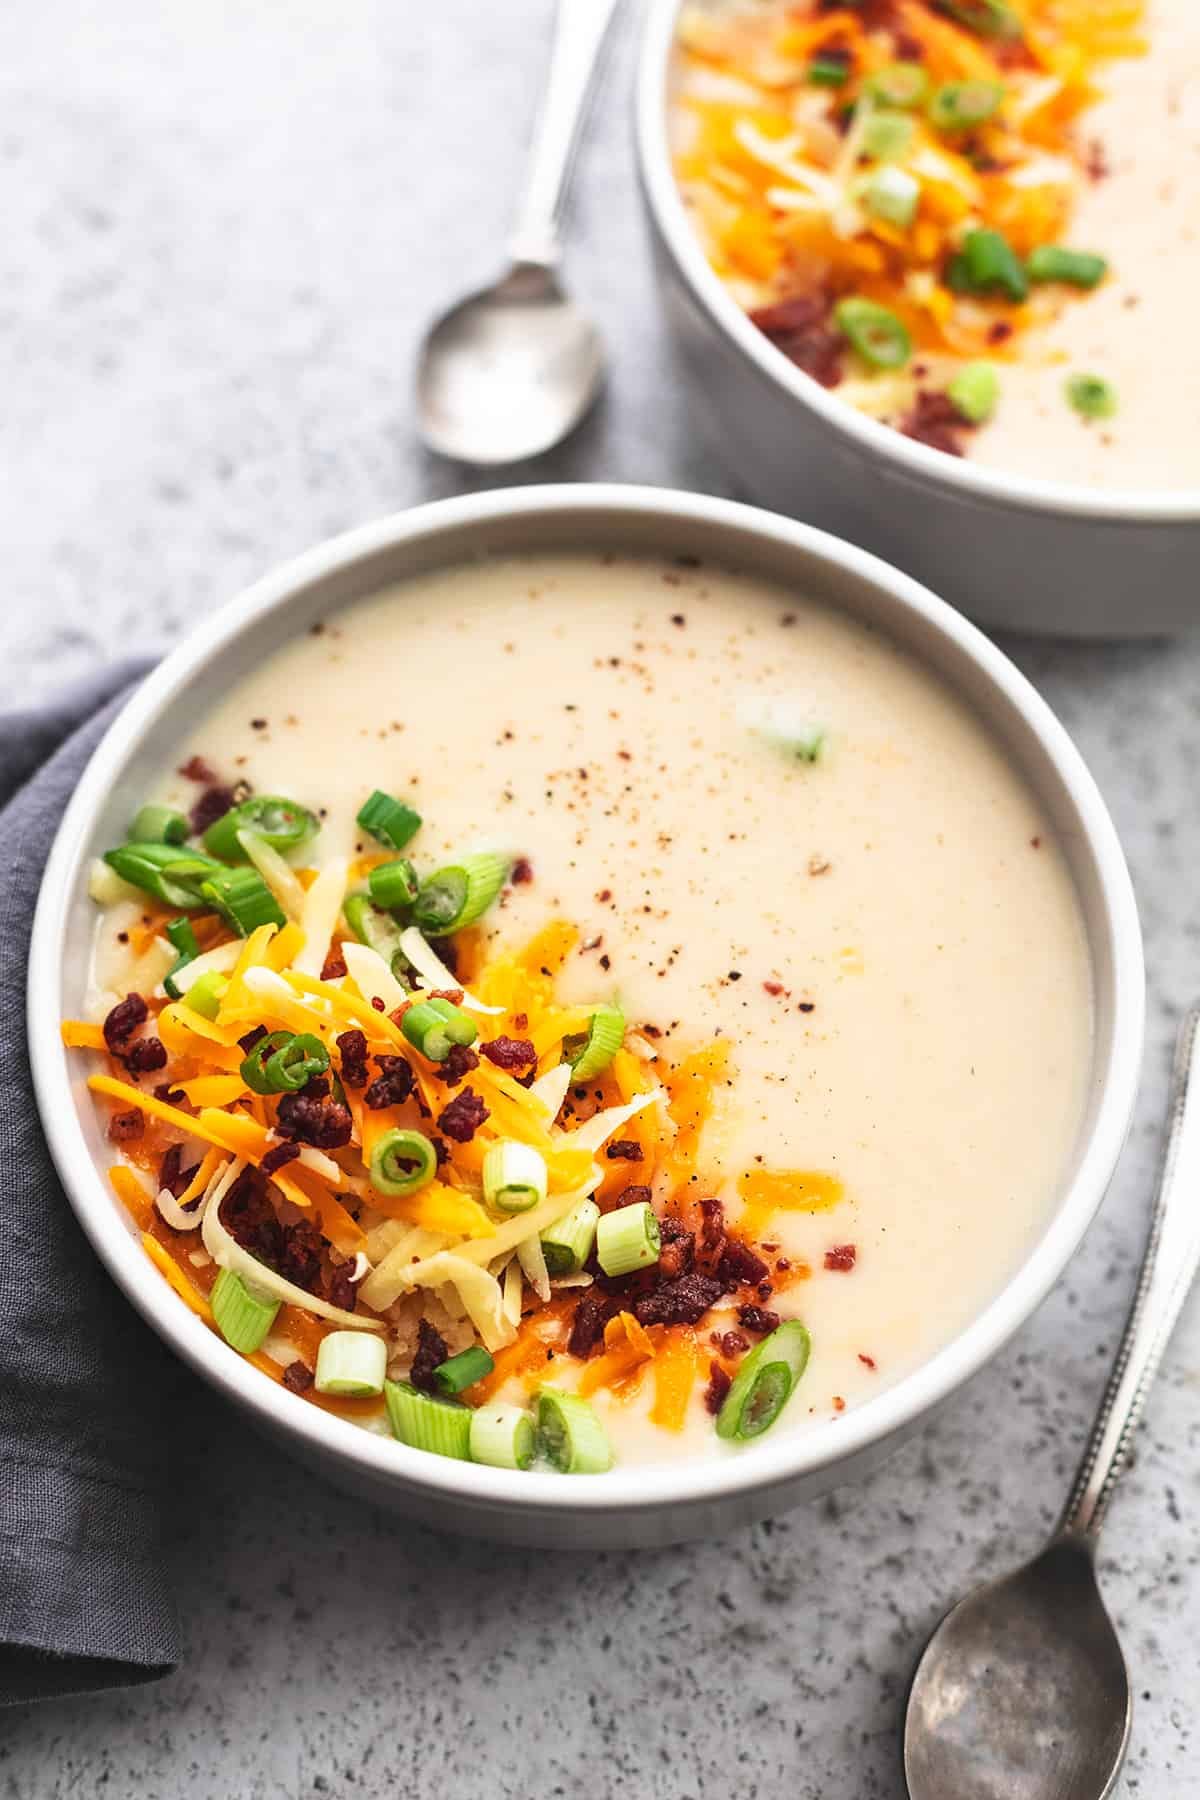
(681, 1302)
(935, 420)
(463, 1117)
(432, 1350)
(510, 1053)
(251, 1038)
(457, 1065)
(733, 1343)
(624, 1150)
(678, 1247)
(740, 1266)
(212, 805)
(522, 871)
(278, 1156)
(312, 1119)
(339, 1288)
(125, 1125)
(352, 1048)
(196, 769)
(867, 1361)
(392, 1086)
(171, 1173)
(297, 1377)
(124, 1020)
(800, 328)
(842, 1258)
(148, 1054)
(719, 1384)
(587, 1326)
(710, 1240)
(758, 1319)
(334, 966)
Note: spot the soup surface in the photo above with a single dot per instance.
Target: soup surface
(885, 939)
(1088, 139)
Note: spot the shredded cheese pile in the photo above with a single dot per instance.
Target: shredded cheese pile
(771, 164)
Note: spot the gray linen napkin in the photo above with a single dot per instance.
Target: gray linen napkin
(85, 1387)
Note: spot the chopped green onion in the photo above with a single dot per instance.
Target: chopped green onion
(171, 874)
(987, 263)
(975, 391)
(514, 1176)
(393, 884)
(402, 1161)
(180, 934)
(901, 84)
(253, 1070)
(892, 194)
(880, 338)
(886, 135)
(351, 1362)
(460, 1372)
(278, 821)
(242, 1318)
(283, 1063)
(570, 1436)
(989, 18)
(457, 896)
(243, 899)
(425, 1423)
(432, 1026)
(389, 821)
(1078, 268)
(567, 1244)
(828, 71)
(158, 825)
(627, 1238)
(206, 993)
(603, 1038)
(962, 105)
(377, 930)
(502, 1436)
(1091, 396)
(765, 1382)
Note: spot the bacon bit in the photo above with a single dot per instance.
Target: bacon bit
(624, 1150)
(732, 1343)
(458, 1064)
(711, 1238)
(1096, 164)
(463, 1117)
(378, 1005)
(587, 1327)
(868, 1361)
(278, 1157)
(800, 328)
(298, 1377)
(1035, 843)
(196, 769)
(841, 1258)
(393, 1085)
(758, 1319)
(651, 1031)
(520, 1021)
(126, 1125)
(311, 1119)
(441, 1150)
(682, 1302)
(839, 1405)
(522, 872)
(124, 1020)
(352, 1047)
(334, 966)
(453, 995)
(509, 1052)
(212, 805)
(741, 1267)
(678, 1243)
(935, 420)
(148, 1054)
(171, 1174)
(173, 1096)
(432, 1351)
(604, 896)
(999, 331)
(774, 988)
(719, 1384)
(251, 1038)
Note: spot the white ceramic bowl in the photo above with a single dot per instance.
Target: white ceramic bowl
(628, 1505)
(1020, 554)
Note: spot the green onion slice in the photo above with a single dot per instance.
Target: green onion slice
(457, 896)
(393, 884)
(765, 1382)
(962, 105)
(377, 930)
(591, 1053)
(432, 1026)
(1091, 396)
(351, 1362)
(570, 1436)
(627, 1238)
(514, 1176)
(253, 1070)
(278, 821)
(975, 391)
(988, 18)
(567, 1244)
(388, 820)
(828, 71)
(284, 1062)
(900, 84)
(425, 1423)
(242, 1317)
(171, 874)
(887, 135)
(892, 194)
(462, 1371)
(879, 336)
(502, 1436)
(179, 933)
(987, 263)
(1077, 268)
(402, 1161)
(205, 994)
(243, 899)
(158, 825)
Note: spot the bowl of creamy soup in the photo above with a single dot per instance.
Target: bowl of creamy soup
(931, 264)
(586, 1011)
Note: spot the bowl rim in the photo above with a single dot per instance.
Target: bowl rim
(961, 476)
(640, 1487)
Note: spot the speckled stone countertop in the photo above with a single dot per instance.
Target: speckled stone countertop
(223, 228)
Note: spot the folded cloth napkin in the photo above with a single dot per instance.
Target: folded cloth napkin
(85, 1387)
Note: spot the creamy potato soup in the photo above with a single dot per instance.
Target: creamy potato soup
(973, 220)
(612, 1008)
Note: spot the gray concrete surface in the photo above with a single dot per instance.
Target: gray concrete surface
(223, 226)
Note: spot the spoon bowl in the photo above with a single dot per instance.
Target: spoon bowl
(509, 371)
(1022, 1693)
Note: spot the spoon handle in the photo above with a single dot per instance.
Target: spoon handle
(579, 30)
(1171, 1260)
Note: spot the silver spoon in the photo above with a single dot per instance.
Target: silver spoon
(1022, 1693)
(509, 371)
